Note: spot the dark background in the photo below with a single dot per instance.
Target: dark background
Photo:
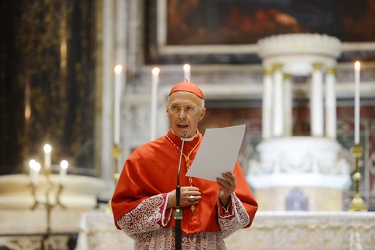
(223, 22)
(60, 97)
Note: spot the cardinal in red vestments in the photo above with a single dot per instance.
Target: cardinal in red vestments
(144, 200)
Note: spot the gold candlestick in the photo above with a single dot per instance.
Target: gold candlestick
(48, 190)
(48, 205)
(357, 203)
(116, 153)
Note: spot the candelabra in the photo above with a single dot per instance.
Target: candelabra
(47, 203)
(357, 203)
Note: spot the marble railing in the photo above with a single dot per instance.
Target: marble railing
(270, 230)
(58, 241)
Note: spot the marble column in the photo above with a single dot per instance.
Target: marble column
(267, 104)
(330, 103)
(121, 31)
(316, 101)
(278, 105)
(121, 59)
(288, 105)
(107, 87)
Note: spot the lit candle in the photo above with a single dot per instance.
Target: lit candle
(47, 157)
(37, 170)
(63, 169)
(117, 104)
(32, 173)
(187, 72)
(154, 101)
(357, 67)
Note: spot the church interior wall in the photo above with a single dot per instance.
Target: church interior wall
(232, 83)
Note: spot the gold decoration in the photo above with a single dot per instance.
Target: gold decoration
(287, 76)
(277, 67)
(116, 153)
(317, 66)
(267, 71)
(187, 162)
(48, 205)
(331, 71)
(357, 203)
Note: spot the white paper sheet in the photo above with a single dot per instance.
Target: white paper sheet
(218, 152)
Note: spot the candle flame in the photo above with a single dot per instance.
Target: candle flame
(64, 164)
(155, 71)
(357, 65)
(118, 69)
(47, 148)
(186, 67)
(37, 167)
(32, 163)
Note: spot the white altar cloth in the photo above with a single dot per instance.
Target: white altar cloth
(270, 230)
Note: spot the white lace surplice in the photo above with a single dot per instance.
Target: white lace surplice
(146, 225)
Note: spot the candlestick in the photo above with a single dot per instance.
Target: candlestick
(63, 169)
(187, 72)
(47, 157)
(32, 171)
(35, 167)
(357, 203)
(154, 101)
(357, 67)
(117, 104)
(116, 153)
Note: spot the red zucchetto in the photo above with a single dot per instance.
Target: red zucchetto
(188, 87)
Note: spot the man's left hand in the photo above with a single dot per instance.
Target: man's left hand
(227, 185)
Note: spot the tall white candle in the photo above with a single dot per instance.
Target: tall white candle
(36, 169)
(32, 171)
(63, 169)
(47, 157)
(117, 104)
(186, 72)
(154, 101)
(357, 67)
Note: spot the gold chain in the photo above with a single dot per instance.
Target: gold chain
(187, 161)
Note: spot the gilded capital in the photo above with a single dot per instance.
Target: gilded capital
(267, 71)
(317, 66)
(331, 71)
(287, 76)
(277, 67)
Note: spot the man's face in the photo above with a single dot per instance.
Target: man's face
(185, 110)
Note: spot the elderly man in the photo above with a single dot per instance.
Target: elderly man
(145, 197)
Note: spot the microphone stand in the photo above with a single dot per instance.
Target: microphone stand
(178, 214)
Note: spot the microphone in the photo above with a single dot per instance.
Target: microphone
(178, 214)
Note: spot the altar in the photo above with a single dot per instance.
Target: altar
(270, 230)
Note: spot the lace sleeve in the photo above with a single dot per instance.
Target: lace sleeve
(151, 214)
(235, 219)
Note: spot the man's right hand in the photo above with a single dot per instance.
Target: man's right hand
(188, 196)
